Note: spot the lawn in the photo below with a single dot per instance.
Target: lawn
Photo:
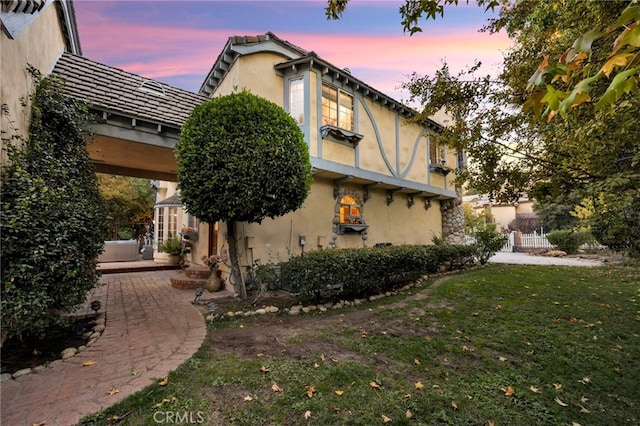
(498, 345)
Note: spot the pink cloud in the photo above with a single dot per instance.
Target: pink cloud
(380, 61)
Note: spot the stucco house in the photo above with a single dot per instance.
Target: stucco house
(36, 33)
(503, 213)
(378, 178)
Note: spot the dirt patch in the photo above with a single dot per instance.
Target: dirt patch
(305, 336)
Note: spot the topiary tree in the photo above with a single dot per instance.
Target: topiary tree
(241, 158)
(52, 221)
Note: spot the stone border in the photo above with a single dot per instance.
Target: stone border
(298, 309)
(91, 337)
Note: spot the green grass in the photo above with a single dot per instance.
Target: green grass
(503, 345)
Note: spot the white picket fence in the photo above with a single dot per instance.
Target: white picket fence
(528, 241)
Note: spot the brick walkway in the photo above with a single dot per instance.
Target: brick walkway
(151, 328)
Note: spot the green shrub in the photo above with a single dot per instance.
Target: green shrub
(170, 246)
(488, 241)
(52, 217)
(328, 275)
(567, 240)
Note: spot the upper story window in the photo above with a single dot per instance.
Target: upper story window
(296, 99)
(438, 159)
(337, 108)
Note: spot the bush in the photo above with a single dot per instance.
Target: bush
(567, 240)
(52, 218)
(488, 242)
(172, 246)
(328, 275)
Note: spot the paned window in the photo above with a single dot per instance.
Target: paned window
(350, 210)
(337, 108)
(296, 99)
(161, 221)
(173, 222)
(436, 154)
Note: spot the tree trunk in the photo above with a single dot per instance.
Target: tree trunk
(238, 282)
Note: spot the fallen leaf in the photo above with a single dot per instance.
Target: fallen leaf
(111, 419)
(501, 359)
(534, 389)
(260, 355)
(88, 363)
(316, 365)
(374, 385)
(164, 381)
(307, 414)
(310, 390)
(557, 386)
(339, 392)
(584, 410)
(408, 414)
(454, 405)
(418, 385)
(276, 388)
(135, 372)
(40, 424)
(508, 391)
(386, 419)
(113, 391)
(264, 369)
(585, 380)
(584, 399)
(322, 357)
(559, 402)
(161, 403)
(490, 423)
(573, 320)
(248, 398)
(407, 395)
(427, 338)
(416, 361)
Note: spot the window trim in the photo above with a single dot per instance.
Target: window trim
(338, 120)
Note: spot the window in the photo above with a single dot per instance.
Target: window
(337, 108)
(436, 154)
(296, 99)
(350, 210)
(160, 225)
(173, 222)
(437, 158)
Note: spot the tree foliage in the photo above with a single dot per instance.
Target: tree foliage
(52, 219)
(591, 152)
(129, 204)
(241, 158)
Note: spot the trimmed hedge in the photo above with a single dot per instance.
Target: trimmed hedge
(329, 275)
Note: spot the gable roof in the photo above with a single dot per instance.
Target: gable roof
(295, 56)
(113, 90)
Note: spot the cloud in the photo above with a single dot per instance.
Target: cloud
(171, 53)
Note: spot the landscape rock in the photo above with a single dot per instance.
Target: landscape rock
(68, 353)
(21, 373)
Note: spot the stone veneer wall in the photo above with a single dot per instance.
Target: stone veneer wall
(453, 221)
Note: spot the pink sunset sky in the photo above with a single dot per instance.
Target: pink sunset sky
(177, 42)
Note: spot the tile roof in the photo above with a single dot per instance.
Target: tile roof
(114, 90)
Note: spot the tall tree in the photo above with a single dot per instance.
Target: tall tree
(593, 152)
(241, 158)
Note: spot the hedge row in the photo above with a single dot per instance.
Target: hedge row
(329, 275)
